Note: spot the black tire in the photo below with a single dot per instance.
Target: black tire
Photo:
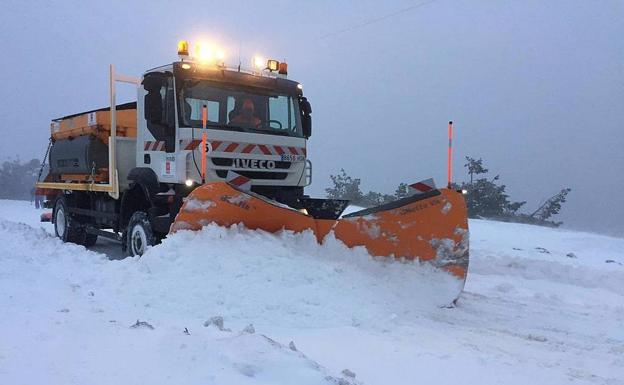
(139, 234)
(66, 227)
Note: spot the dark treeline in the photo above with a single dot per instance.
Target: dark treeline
(486, 197)
(17, 178)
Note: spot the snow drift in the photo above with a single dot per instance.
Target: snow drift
(540, 305)
(81, 304)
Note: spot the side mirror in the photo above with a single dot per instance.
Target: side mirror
(306, 119)
(306, 125)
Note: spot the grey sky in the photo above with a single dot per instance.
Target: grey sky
(536, 88)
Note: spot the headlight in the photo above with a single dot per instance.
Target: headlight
(259, 63)
(272, 65)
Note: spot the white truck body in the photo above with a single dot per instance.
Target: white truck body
(252, 154)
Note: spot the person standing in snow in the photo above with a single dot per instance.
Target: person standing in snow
(38, 199)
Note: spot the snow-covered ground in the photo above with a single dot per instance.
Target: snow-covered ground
(542, 306)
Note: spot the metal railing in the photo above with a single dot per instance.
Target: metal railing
(112, 187)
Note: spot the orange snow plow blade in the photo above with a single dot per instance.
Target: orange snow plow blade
(430, 227)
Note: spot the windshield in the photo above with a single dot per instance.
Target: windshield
(234, 109)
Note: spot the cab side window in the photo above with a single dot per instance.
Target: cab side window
(159, 111)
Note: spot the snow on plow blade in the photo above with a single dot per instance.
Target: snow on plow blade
(430, 227)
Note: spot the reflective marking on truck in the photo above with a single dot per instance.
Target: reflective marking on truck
(231, 147)
(265, 150)
(249, 148)
(238, 180)
(299, 153)
(157, 145)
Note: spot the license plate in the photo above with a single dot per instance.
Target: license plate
(293, 158)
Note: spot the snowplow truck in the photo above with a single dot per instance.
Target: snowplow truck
(205, 143)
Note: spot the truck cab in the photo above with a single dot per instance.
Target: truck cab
(256, 125)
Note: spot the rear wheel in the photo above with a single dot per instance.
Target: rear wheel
(139, 234)
(66, 227)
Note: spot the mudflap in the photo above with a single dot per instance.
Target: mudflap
(46, 217)
(426, 228)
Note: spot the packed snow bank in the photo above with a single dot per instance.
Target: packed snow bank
(540, 305)
(86, 304)
(70, 318)
(256, 276)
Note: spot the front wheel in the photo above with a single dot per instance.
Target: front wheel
(139, 235)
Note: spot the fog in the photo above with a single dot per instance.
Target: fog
(536, 88)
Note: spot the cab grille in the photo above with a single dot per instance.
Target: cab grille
(255, 174)
(227, 162)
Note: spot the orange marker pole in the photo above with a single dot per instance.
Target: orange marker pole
(204, 143)
(450, 154)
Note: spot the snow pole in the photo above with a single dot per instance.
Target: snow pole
(450, 154)
(203, 142)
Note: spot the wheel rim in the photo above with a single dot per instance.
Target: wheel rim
(138, 240)
(59, 222)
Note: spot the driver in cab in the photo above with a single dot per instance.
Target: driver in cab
(245, 115)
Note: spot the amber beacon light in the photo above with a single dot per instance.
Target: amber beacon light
(183, 48)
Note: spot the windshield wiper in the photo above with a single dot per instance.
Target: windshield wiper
(227, 126)
(272, 131)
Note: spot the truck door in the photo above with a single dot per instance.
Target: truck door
(159, 108)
